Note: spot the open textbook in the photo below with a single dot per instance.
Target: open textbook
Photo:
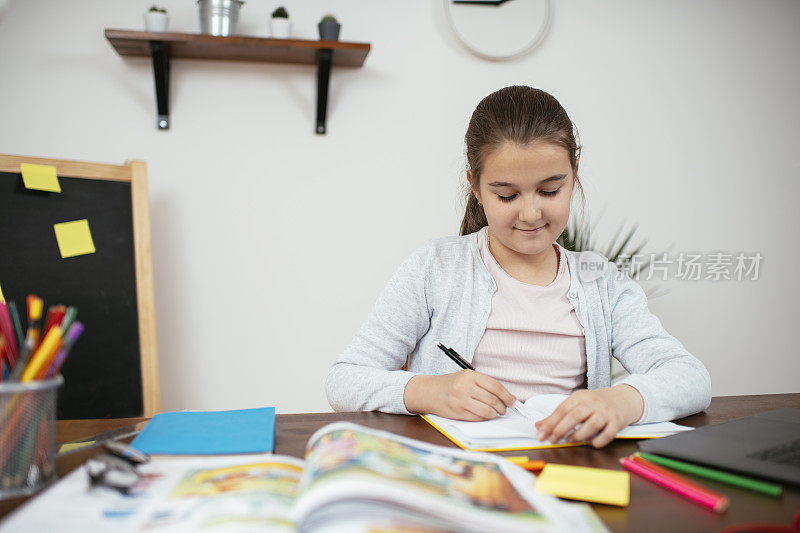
(513, 431)
(354, 479)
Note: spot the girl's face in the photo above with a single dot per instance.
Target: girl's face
(526, 193)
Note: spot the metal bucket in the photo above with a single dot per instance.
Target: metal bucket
(27, 436)
(219, 17)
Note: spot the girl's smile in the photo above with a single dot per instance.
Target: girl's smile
(534, 231)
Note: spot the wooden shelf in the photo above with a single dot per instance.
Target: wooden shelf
(163, 47)
(237, 47)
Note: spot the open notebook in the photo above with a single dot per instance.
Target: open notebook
(512, 431)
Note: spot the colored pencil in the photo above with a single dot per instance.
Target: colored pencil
(35, 305)
(3, 352)
(48, 319)
(718, 505)
(15, 321)
(54, 317)
(770, 489)
(69, 318)
(40, 374)
(8, 331)
(680, 479)
(43, 354)
(69, 341)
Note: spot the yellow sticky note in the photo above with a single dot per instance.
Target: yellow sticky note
(586, 484)
(74, 238)
(74, 446)
(40, 177)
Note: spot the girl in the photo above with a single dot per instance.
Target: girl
(528, 314)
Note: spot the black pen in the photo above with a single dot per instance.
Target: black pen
(460, 361)
(457, 359)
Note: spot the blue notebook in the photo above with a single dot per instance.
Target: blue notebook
(209, 432)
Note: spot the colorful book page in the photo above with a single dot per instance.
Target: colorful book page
(2, 298)
(40, 177)
(74, 238)
(586, 484)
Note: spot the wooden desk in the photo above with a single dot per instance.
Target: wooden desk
(652, 508)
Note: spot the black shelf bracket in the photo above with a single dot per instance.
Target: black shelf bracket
(160, 53)
(324, 57)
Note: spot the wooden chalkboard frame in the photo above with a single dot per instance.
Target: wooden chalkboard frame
(134, 172)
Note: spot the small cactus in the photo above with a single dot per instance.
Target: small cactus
(156, 9)
(280, 13)
(329, 18)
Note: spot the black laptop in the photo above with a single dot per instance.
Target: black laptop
(765, 445)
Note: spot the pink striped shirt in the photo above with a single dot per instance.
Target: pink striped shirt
(533, 343)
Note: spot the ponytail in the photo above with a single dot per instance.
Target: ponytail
(474, 217)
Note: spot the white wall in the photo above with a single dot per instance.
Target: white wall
(688, 113)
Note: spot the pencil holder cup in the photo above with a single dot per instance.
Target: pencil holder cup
(27, 436)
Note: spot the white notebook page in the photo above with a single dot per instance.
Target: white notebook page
(514, 430)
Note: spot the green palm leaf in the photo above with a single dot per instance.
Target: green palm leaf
(577, 238)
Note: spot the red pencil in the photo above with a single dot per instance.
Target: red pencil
(3, 356)
(7, 329)
(677, 477)
(54, 317)
(715, 503)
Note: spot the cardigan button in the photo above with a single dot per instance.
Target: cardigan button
(573, 294)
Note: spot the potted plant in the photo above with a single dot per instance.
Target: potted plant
(280, 25)
(329, 28)
(577, 238)
(219, 17)
(156, 19)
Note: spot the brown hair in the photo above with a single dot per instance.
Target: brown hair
(518, 114)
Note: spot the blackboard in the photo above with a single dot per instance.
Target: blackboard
(103, 376)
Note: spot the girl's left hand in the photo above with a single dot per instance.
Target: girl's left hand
(601, 413)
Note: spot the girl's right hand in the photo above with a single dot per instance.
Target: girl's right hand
(464, 395)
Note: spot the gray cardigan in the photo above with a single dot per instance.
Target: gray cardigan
(443, 293)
